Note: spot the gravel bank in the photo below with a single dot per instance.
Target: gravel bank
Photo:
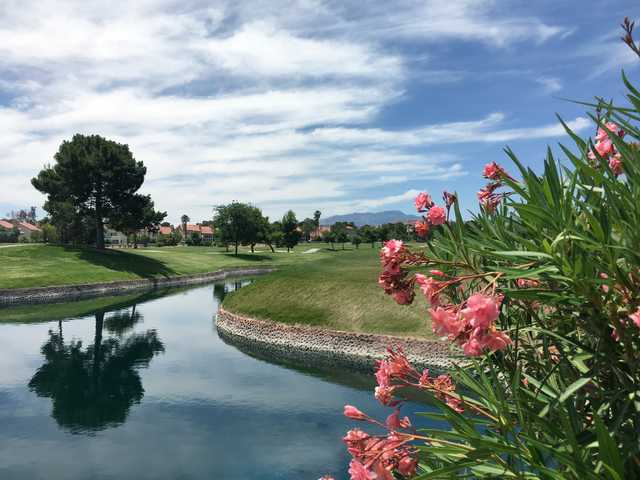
(18, 296)
(315, 347)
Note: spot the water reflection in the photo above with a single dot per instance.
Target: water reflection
(93, 388)
(202, 409)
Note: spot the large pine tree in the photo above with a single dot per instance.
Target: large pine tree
(95, 175)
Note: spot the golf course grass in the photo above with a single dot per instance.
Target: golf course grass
(328, 288)
(339, 292)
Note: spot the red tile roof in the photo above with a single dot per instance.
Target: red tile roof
(6, 225)
(193, 228)
(29, 226)
(206, 230)
(165, 230)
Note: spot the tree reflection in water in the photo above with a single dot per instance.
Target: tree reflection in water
(93, 388)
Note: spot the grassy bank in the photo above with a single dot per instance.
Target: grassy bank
(47, 265)
(340, 292)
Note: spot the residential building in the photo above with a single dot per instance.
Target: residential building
(6, 225)
(320, 231)
(114, 237)
(26, 229)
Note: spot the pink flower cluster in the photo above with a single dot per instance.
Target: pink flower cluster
(471, 327)
(393, 279)
(434, 215)
(487, 196)
(396, 371)
(605, 147)
(378, 457)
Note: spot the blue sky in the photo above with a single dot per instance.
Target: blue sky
(339, 106)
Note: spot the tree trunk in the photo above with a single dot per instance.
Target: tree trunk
(343, 245)
(135, 240)
(99, 230)
(97, 343)
(252, 248)
(236, 248)
(273, 250)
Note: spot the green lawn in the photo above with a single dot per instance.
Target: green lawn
(340, 292)
(45, 265)
(329, 288)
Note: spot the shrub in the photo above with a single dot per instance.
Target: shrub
(539, 296)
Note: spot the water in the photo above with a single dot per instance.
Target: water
(161, 397)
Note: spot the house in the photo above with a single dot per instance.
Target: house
(206, 232)
(27, 230)
(114, 237)
(6, 225)
(320, 231)
(165, 230)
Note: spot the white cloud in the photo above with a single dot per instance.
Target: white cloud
(550, 84)
(268, 102)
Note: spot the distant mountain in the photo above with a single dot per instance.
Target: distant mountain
(370, 218)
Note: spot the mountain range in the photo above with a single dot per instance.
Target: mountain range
(369, 218)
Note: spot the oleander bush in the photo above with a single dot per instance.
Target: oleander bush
(539, 296)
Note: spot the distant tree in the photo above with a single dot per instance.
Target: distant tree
(49, 232)
(356, 240)
(290, 232)
(195, 239)
(308, 226)
(165, 224)
(330, 238)
(95, 175)
(237, 223)
(369, 234)
(137, 213)
(9, 236)
(316, 218)
(184, 219)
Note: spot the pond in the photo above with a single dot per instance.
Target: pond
(142, 387)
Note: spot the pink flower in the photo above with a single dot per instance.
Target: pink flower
(391, 249)
(482, 310)
(609, 127)
(437, 273)
(615, 163)
(635, 317)
(423, 201)
(497, 340)
(493, 171)
(407, 466)
(394, 422)
(472, 348)
(352, 412)
(359, 472)
(403, 297)
(527, 283)
(429, 288)
(436, 215)
(604, 147)
(384, 394)
(446, 322)
(422, 229)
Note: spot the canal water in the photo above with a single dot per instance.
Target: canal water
(141, 387)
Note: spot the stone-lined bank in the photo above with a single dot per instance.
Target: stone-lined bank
(315, 347)
(18, 296)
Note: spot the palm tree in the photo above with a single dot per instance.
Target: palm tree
(185, 219)
(316, 218)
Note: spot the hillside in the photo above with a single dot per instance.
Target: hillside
(370, 218)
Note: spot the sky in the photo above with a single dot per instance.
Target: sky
(340, 106)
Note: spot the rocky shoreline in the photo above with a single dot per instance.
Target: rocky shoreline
(21, 296)
(316, 347)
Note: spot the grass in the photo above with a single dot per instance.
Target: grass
(340, 292)
(335, 289)
(48, 265)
